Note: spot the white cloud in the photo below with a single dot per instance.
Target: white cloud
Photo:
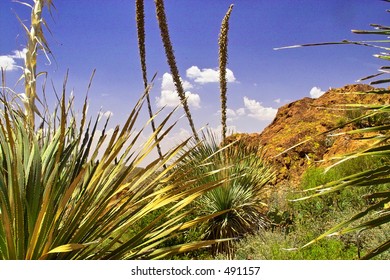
(277, 100)
(208, 75)
(167, 83)
(231, 129)
(316, 92)
(230, 113)
(175, 138)
(252, 109)
(8, 62)
(240, 112)
(258, 111)
(19, 54)
(107, 114)
(169, 96)
(234, 114)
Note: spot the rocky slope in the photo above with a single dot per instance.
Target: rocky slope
(307, 119)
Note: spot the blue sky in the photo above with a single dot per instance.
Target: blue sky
(101, 34)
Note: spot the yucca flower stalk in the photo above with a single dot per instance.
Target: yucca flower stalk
(35, 41)
(140, 20)
(162, 21)
(223, 59)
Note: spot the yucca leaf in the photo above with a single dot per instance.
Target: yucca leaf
(66, 248)
(377, 195)
(378, 250)
(384, 80)
(382, 219)
(370, 32)
(182, 248)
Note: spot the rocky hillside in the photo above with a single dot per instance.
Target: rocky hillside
(307, 119)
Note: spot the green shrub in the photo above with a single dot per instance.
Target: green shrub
(339, 201)
(274, 246)
(239, 199)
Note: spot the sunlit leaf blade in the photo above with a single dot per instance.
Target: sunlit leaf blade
(74, 200)
(66, 248)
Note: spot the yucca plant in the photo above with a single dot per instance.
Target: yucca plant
(240, 199)
(376, 214)
(58, 200)
(36, 41)
(63, 196)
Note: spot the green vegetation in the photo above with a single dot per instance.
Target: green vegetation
(68, 191)
(240, 199)
(363, 118)
(293, 224)
(64, 197)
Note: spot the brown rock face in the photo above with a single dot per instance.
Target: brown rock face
(306, 119)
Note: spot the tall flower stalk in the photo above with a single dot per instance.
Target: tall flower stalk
(223, 58)
(162, 21)
(140, 20)
(35, 42)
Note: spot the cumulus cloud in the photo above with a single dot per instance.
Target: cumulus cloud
(9, 63)
(232, 114)
(107, 114)
(277, 100)
(240, 112)
(169, 96)
(208, 75)
(258, 111)
(231, 129)
(316, 92)
(176, 138)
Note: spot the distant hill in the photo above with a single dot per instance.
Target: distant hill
(306, 118)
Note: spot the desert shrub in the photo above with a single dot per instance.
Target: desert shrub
(343, 199)
(294, 224)
(274, 246)
(239, 199)
(323, 212)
